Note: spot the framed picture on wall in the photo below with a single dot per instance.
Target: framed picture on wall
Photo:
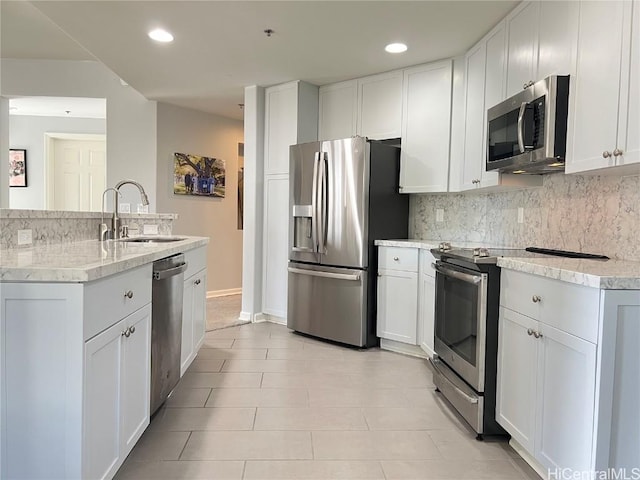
(197, 175)
(17, 167)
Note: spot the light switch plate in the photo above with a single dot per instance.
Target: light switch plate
(150, 229)
(439, 215)
(25, 237)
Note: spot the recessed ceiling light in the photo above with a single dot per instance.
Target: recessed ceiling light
(160, 35)
(396, 48)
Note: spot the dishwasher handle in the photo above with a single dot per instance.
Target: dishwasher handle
(170, 272)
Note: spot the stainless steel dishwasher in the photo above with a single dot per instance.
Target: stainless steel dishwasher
(166, 326)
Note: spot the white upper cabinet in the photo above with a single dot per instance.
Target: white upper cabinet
(291, 117)
(522, 24)
(603, 121)
(337, 110)
(474, 116)
(426, 128)
(380, 105)
(558, 38)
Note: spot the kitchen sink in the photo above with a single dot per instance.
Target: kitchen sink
(151, 239)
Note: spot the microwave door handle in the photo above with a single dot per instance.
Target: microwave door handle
(465, 277)
(314, 203)
(523, 108)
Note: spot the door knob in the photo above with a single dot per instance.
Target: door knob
(129, 294)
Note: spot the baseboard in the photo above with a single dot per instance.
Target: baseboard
(259, 317)
(245, 316)
(224, 293)
(527, 457)
(405, 348)
(278, 320)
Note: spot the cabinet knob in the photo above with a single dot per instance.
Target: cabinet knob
(127, 332)
(606, 154)
(537, 334)
(129, 294)
(396, 258)
(617, 152)
(197, 282)
(132, 329)
(529, 331)
(536, 299)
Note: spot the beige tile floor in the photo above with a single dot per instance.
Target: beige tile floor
(261, 402)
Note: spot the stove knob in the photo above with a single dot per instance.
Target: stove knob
(483, 252)
(476, 252)
(444, 246)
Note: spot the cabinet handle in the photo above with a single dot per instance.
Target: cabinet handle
(537, 334)
(129, 294)
(396, 258)
(197, 282)
(127, 332)
(529, 331)
(617, 152)
(132, 329)
(536, 299)
(606, 154)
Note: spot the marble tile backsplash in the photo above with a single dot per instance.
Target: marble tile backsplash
(582, 213)
(51, 227)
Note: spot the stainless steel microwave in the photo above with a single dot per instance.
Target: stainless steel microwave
(527, 133)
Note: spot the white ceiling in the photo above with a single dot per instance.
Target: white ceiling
(74, 107)
(220, 46)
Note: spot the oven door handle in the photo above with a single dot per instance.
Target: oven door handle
(468, 398)
(465, 277)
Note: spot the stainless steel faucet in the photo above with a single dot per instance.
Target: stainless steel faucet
(115, 231)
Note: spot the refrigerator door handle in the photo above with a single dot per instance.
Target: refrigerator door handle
(314, 203)
(315, 273)
(322, 209)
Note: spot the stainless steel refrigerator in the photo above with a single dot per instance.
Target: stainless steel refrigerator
(343, 197)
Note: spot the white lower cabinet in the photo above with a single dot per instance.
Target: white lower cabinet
(116, 393)
(562, 369)
(194, 312)
(406, 300)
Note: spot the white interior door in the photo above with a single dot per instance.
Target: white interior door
(80, 174)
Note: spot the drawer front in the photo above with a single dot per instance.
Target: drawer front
(426, 259)
(106, 301)
(398, 258)
(572, 308)
(196, 260)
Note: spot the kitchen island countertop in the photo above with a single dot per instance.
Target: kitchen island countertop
(85, 261)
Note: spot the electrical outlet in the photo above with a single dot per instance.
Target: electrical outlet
(25, 237)
(520, 215)
(150, 229)
(143, 208)
(124, 208)
(439, 215)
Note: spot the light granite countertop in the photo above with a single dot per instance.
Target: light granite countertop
(610, 274)
(85, 261)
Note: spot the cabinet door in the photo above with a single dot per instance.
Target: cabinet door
(595, 88)
(102, 376)
(426, 128)
(199, 309)
(565, 401)
(522, 25)
(338, 110)
(494, 91)
(398, 306)
(136, 377)
(380, 106)
(629, 126)
(474, 113)
(186, 351)
(276, 245)
(516, 384)
(426, 310)
(281, 126)
(558, 44)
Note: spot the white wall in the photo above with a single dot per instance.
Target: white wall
(28, 132)
(189, 131)
(4, 152)
(131, 118)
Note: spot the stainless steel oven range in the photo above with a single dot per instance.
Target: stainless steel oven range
(466, 334)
